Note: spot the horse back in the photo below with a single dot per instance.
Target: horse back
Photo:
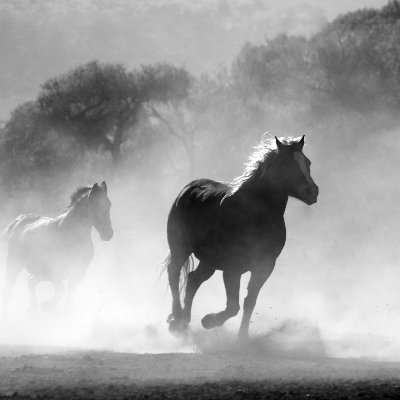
(19, 224)
(17, 230)
(196, 210)
(46, 251)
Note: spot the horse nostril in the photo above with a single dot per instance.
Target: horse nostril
(311, 191)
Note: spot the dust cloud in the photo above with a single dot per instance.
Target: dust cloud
(335, 288)
(334, 291)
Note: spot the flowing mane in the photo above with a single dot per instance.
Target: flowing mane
(77, 195)
(262, 157)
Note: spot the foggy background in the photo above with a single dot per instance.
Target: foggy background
(150, 95)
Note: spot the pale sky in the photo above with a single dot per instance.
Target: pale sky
(40, 39)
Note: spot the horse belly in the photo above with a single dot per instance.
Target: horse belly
(54, 259)
(248, 248)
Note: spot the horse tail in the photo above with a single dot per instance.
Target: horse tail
(188, 266)
(164, 264)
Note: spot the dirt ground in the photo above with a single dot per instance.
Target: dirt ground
(63, 374)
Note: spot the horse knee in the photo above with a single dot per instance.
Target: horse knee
(233, 310)
(249, 303)
(191, 276)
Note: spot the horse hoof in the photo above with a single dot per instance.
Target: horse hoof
(170, 318)
(209, 321)
(177, 326)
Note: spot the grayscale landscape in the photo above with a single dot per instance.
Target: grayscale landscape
(143, 97)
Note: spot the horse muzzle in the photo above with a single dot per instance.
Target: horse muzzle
(106, 236)
(308, 194)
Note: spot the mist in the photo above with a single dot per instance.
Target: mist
(36, 46)
(334, 290)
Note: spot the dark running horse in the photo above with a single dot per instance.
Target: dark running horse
(57, 249)
(235, 228)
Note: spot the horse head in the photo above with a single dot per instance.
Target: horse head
(293, 170)
(100, 207)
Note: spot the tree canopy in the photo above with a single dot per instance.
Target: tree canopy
(353, 63)
(100, 103)
(343, 81)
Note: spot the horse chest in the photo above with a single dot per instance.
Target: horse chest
(255, 240)
(243, 242)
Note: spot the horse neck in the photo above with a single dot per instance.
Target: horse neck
(76, 219)
(263, 193)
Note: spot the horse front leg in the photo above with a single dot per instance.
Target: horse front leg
(59, 290)
(174, 267)
(13, 269)
(73, 285)
(232, 286)
(32, 282)
(256, 282)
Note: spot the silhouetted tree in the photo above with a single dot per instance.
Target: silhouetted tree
(29, 148)
(279, 68)
(100, 103)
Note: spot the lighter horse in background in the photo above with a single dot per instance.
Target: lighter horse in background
(58, 249)
(235, 228)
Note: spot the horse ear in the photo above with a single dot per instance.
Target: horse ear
(104, 186)
(300, 143)
(279, 144)
(94, 189)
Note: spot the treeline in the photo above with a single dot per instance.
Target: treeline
(351, 66)
(160, 120)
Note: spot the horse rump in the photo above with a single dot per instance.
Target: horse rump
(23, 219)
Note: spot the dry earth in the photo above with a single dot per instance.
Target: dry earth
(60, 374)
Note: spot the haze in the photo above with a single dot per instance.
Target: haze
(335, 287)
(41, 39)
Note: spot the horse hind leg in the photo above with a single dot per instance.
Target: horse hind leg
(175, 264)
(13, 268)
(32, 282)
(59, 290)
(202, 273)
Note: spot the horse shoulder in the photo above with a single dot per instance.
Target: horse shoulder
(252, 230)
